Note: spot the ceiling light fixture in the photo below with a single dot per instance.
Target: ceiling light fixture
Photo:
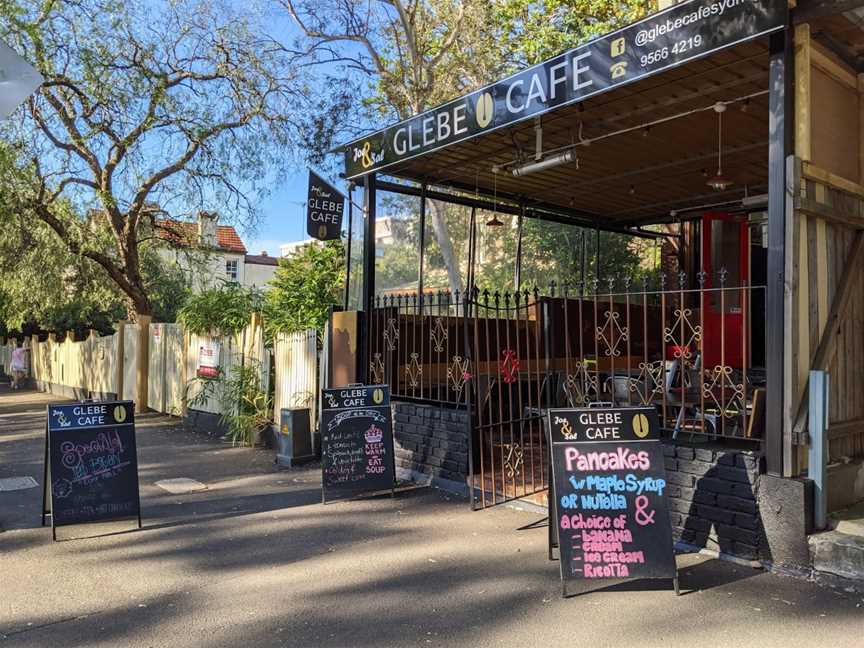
(720, 182)
(550, 162)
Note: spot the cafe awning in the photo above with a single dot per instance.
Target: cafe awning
(639, 141)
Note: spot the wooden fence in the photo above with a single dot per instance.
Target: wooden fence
(105, 367)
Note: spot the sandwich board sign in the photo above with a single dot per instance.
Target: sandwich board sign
(609, 497)
(91, 464)
(18, 80)
(357, 455)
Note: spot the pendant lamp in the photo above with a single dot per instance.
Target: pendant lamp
(720, 182)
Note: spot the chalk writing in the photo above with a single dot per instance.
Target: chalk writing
(609, 496)
(357, 443)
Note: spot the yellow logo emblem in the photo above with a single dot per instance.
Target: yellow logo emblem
(378, 396)
(618, 46)
(618, 70)
(119, 414)
(484, 110)
(641, 427)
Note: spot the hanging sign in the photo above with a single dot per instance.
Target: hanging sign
(357, 441)
(18, 80)
(680, 34)
(325, 207)
(91, 463)
(609, 503)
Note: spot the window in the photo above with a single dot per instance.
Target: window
(231, 270)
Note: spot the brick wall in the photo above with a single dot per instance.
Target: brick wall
(432, 442)
(713, 499)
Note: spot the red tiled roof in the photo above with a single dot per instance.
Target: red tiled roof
(185, 234)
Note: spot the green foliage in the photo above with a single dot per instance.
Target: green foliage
(166, 283)
(225, 310)
(246, 407)
(304, 286)
(185, 104)
(534, 30)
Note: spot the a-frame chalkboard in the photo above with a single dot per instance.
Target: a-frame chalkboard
(356, 442)
(91, 464)
(608, 495)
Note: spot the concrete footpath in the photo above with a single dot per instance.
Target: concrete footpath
(257, 560)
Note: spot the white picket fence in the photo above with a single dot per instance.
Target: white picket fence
(296, 360)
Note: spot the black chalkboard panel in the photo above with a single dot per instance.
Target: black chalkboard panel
(609, 505)
(91, 467)
(356, 441)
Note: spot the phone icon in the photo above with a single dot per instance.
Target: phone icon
(618, 70)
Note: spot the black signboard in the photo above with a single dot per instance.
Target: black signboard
(610, 495)
(682, 33)
(357, 441)
(91, 463)
(325, 207)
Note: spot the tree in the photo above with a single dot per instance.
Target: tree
(303, 288)
(181, 103)
(418, 53)
(535, 30)
(224, 310)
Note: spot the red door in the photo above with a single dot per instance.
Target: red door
(725, 247)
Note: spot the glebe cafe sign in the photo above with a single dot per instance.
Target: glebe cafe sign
(685, 32)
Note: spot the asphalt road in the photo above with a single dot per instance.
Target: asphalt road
(257, 560)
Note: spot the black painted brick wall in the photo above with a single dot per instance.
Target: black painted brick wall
(712, 495)
(431, 440)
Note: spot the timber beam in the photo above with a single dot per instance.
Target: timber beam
(811, 9)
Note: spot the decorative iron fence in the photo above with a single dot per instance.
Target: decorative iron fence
(695, 352)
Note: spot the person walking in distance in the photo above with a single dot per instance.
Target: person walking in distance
(18, 365)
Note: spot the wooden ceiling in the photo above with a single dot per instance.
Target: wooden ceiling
(637, 177)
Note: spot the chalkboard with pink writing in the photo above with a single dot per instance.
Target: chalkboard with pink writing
(356, 441)
(609, 506)
(91, 464)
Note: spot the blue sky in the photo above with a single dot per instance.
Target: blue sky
(283, 218)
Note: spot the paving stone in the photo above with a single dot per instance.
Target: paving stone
(17, 483)
(181, 485)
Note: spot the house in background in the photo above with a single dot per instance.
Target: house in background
(213, 254)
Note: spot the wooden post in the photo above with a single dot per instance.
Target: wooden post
(118, 356)
(184, 372)
(142, 356)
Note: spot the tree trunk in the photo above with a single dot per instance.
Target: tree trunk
(442, 235)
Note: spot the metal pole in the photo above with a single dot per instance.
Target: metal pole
(818, 453)
(368, 300)
(370, 213)
(582, 243)
(348, 245)
(597, 253)
(779, 145)
(518, 272)
(422, 244)
(472, 252)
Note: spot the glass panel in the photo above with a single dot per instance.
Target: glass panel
(397, 244)
(355, 280)
(446, 246)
